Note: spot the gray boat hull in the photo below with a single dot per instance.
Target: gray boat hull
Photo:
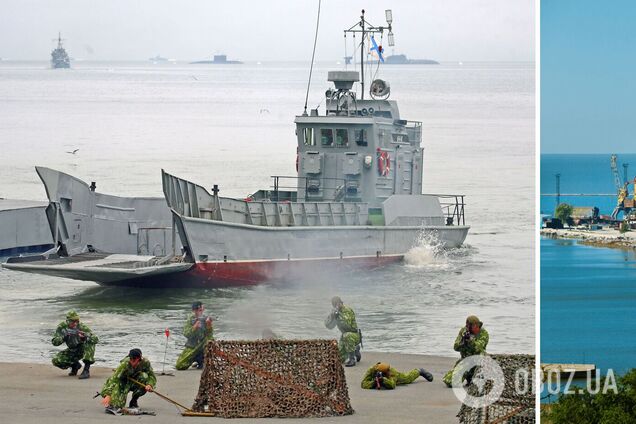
(238, 254)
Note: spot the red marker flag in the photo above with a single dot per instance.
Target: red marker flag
(167, 332)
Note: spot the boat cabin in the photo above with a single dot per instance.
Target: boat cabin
(358, 150)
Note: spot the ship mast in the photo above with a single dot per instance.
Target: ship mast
(366, 28)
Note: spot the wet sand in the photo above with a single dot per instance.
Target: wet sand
(39, 393)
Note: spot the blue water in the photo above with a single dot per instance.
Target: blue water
(588, 305)
(582, 174)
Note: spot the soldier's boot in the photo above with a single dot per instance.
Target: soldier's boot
(75, 368)
(199, 360)
(85, 372)
(351, 360)
(358, 354)
(133, 402)
(427, 375)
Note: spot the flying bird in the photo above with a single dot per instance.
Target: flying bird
(73, 152)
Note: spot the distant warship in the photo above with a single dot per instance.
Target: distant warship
(59, 57)
(219, 59)
(401, 59)
(158, 58)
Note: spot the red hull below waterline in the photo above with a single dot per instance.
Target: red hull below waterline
(248, 273)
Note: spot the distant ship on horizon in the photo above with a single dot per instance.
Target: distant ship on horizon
(401, 59)
(158, 58)
(59, 57)
(219, 59)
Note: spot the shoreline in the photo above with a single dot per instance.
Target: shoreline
(33, 393)
(606, 237)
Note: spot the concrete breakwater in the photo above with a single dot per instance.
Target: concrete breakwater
(606, 237)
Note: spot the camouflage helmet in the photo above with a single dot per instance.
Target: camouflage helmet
(335, 301)
(72, 316)
(383, 367)
(473, 320)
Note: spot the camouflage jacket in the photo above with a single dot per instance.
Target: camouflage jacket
(142, 372)
(194, 337)
(474, 345)
(344, 318)
(73, 340)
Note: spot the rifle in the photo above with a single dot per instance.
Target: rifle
(466, 336)
(202, 319)
(73, 337)
(378, 380)
(360, 334)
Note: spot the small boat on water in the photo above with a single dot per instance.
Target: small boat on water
(59, 57)
(356, 201)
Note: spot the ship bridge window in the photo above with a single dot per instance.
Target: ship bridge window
(326, 137)
(361, 137)
(308, 137)
(342, 138)
(400, 138)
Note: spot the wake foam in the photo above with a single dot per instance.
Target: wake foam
(427, 252)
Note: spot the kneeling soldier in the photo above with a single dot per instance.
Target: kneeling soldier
(80, 343)
(383, 376)
(116, 388)
(471, 340)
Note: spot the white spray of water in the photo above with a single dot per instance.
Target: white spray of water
(427, 252)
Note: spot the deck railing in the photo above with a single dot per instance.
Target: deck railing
(327, 190)
(453, 208)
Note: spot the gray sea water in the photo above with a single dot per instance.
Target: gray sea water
(233, 126)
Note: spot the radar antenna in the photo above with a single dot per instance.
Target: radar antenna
(365, 28)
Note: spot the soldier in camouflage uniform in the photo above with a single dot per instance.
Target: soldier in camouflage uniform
(116, 388)
(349, 344)
(471, 340)
(80, 342)
(198, 330)
(383, 376)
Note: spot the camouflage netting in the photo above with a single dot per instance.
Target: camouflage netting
(516, 405)
(273, 378)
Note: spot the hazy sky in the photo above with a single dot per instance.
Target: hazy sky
(445, 30)
(588, 82)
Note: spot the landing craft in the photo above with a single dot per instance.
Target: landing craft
(356, 202)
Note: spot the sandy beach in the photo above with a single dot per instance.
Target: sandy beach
(37, 393)
(606, 237)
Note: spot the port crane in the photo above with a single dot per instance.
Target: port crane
(623, 204)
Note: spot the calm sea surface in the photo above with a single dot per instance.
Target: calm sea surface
(233, 126)
(588, 302)
(588, 294)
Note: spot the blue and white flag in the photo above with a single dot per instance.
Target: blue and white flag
(376, 50)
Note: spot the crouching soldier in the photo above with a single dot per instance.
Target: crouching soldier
(197, 330)
(349, 344)
(471, 340)
(383, 376)
(80, 342)
(116, 388)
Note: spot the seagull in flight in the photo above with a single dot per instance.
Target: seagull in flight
(73, 152)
